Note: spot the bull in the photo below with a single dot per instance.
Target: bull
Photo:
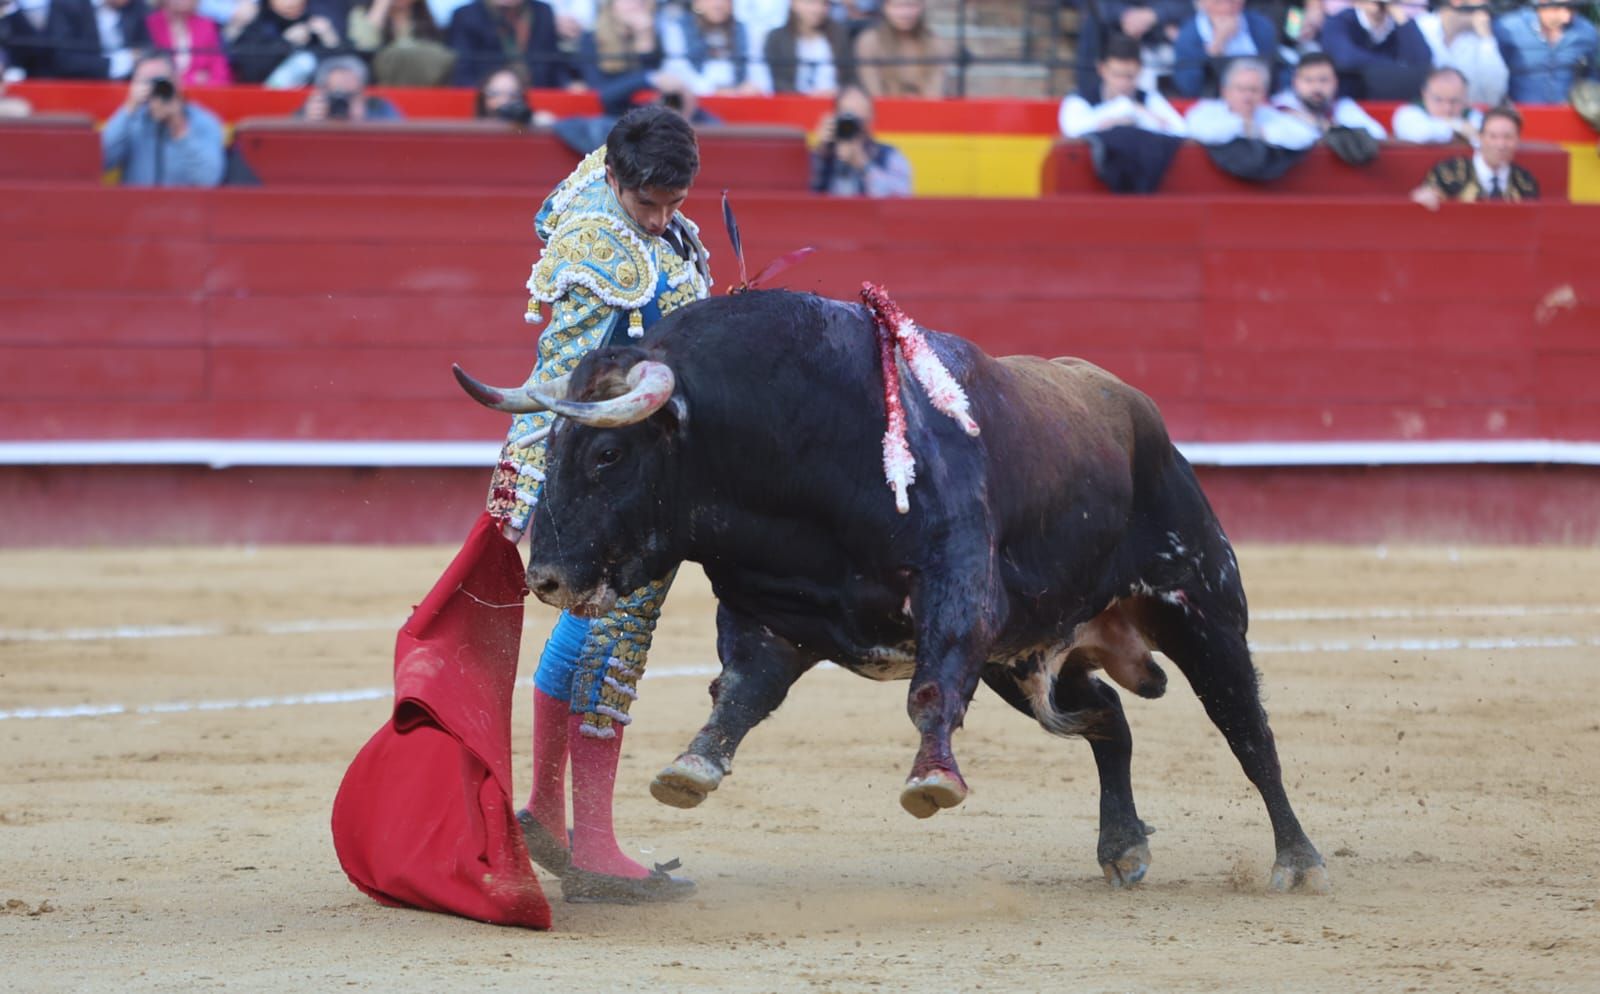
(1069, 537)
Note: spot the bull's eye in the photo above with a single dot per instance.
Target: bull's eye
(607, 457)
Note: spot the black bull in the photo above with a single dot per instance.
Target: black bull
(744, 433)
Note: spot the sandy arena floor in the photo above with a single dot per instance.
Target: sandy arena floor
(1438, 714)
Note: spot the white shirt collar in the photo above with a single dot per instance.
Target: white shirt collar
(1377, 34)
(1485, 174)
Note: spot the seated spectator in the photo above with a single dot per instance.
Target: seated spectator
(1489, 174)
(1314, 98)
(340, 94)
(1243, 112)
(281, 46)
(10, 106)
(622, 56)
(1122, 103)
(1443, 116)
(1379, 52)
(1546, 48)
(52, 39)
(485, 33)
(760, 18)
(193, 40)
(123, 34)
(848, 161)
(1154, 24)
(899, 56)
(1219, 32)
(504, 96)
(1460, 33)
(710, 51)
(811, 54)
(157, 138)
(402, 40)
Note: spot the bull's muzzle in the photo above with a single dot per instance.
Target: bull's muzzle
(550, 586)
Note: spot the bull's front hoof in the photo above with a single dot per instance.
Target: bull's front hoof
(1310, 879)
(923, 796)
(686, 781)
(1128, 868)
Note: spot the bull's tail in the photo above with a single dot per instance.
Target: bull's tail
(1040, 686)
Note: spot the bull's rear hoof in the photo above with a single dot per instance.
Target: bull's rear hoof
(1309, 879)
(686, 781)
(923, 796)
(1129, 868)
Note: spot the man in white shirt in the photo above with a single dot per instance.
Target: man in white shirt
(1443, 116)
(1121, 100)
(1314, 98)
(1461, 35)
(1243, 112)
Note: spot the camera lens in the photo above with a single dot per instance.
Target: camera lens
(161, 88)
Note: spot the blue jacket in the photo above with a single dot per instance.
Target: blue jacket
(1196, 74)
(1353, 52)
(1541, 73)
(149, 157)
(483, 43)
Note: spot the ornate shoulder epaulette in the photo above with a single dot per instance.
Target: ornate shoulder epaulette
(589, 174)
(598, 251)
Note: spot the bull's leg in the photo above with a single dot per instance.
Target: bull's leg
(1123, 852)
(954, 632)
(1204, 634)
(758, 668)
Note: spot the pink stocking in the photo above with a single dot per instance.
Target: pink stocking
(594, 780)
(548, 802)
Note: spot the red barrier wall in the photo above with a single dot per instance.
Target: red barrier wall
(336, 314)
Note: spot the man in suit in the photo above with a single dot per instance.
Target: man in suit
(1490, 174)
(489, 33)
(52, 39)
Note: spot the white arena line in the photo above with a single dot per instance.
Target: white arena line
(378, 693)
(310, 626)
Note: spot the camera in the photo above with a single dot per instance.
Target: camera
(162, 88)
(516, 111)
(673, 101)
(338, 106)
(846, 127)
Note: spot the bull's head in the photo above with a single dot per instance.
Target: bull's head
(606, 521)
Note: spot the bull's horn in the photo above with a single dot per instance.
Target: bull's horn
(513, 400)
(649, 387)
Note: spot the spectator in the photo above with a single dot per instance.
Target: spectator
(711, 52)
(1243, 112)
(1443, 116)
(52, 39)
(899, 56)
(10, 106)
(504, 96)
(622, 56)
(340, 94)
(848, 161)
(193, 40)
(1219, 32)
(486, 33)
(1122, 103)
(1379, 51)
(157, 138)
(123, 34)
(1154, 24)
(402, 40)
(1460, 34)
(1545, 49)
(1490, 173)
(282, 44)
(760, 18)
(1314, 98)
(811, 54)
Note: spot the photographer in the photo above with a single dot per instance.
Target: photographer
(1547, 46)
(848, 161)
(341, 94)
(159, 139)
(503, 96)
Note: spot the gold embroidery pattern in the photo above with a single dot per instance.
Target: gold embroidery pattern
(612, 660)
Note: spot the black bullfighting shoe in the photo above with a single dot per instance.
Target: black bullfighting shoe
(580, 886)
(542, 846)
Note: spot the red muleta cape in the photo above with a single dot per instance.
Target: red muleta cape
(424, 817)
